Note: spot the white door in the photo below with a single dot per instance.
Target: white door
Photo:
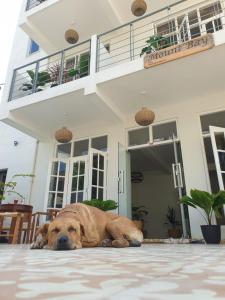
(57, 187)
(97, 174)
(218, 144)
(78, 180)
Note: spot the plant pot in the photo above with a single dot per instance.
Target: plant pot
(175, 233)
(139, 224)
(211, 234)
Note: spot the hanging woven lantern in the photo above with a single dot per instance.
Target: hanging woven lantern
(71, 36)
(138, 8)
(145, 117)
(63, 135)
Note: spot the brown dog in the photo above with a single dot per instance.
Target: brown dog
(79, 225)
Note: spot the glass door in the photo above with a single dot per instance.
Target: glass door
(178, 176)
(217, 135)
(58, 183)
(124, 182)
(97, 174)
(78, 180)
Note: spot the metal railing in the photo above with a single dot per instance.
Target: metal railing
(53, 70)
(157, 31)
(33, 3)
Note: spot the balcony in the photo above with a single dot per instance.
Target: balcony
(118, 83)
(62, 67)
(157, 31)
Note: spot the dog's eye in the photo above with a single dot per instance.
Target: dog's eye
(55, 230)
(71, 229)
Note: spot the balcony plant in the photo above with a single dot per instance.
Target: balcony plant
(8, 188)
(207, 204)
(42, 79)
(172, 220)
(104, 205)
(156, 43)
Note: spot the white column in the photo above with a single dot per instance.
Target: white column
(194, 166)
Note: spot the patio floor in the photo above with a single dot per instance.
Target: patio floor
(165, 272)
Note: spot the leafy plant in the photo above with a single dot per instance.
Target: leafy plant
(84, 65)
(42, 78)
(8, 188)
(172, 217)
(104, 205)
(156, 43)
(209, 203)
(139, 212)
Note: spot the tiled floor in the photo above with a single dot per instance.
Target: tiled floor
(164, 272)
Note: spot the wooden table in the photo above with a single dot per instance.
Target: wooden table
(26, 210)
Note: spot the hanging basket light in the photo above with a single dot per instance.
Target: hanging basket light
(139, 8)
(63, 135)
(145, 117)
(71, 36)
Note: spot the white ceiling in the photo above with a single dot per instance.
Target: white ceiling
(72, 110)
(47, 26)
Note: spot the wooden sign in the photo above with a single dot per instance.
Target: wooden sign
(196, 45)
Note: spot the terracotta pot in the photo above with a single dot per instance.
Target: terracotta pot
(174, 233)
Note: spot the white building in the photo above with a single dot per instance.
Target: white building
(95, 87)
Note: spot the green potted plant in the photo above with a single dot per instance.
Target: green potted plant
(138, 216)
(104, 205)
(156, 43)
(42, 78)
(208, 205)
(8, 188)
(171, 216)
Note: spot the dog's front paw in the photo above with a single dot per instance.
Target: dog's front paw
(106, 243)
(39, 243)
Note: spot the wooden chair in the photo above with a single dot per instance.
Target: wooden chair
(14, 231)
(36, 221)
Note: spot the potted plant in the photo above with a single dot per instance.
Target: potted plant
(138, 216)
(156, 43)
(8, 188)
(171, 216)
(209, 204)
(104, 205)
(42, 79)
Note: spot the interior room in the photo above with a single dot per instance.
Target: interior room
(153, 188)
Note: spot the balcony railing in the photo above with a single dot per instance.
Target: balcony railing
(33, 3)
(59, 68)
(151, 33)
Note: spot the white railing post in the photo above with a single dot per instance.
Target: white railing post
(94, 55)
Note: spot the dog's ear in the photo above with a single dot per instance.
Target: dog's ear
(44, 229)
(82, 230)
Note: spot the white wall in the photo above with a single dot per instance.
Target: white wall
(17, 159)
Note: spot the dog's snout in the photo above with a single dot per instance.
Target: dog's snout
(63, 240)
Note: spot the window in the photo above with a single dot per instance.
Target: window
(164, 132)
(138, 137)
(34, 47)
(100, 143)
(57, 184)
(81, 148)
(63, 151)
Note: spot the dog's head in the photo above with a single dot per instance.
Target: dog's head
(65, 234)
